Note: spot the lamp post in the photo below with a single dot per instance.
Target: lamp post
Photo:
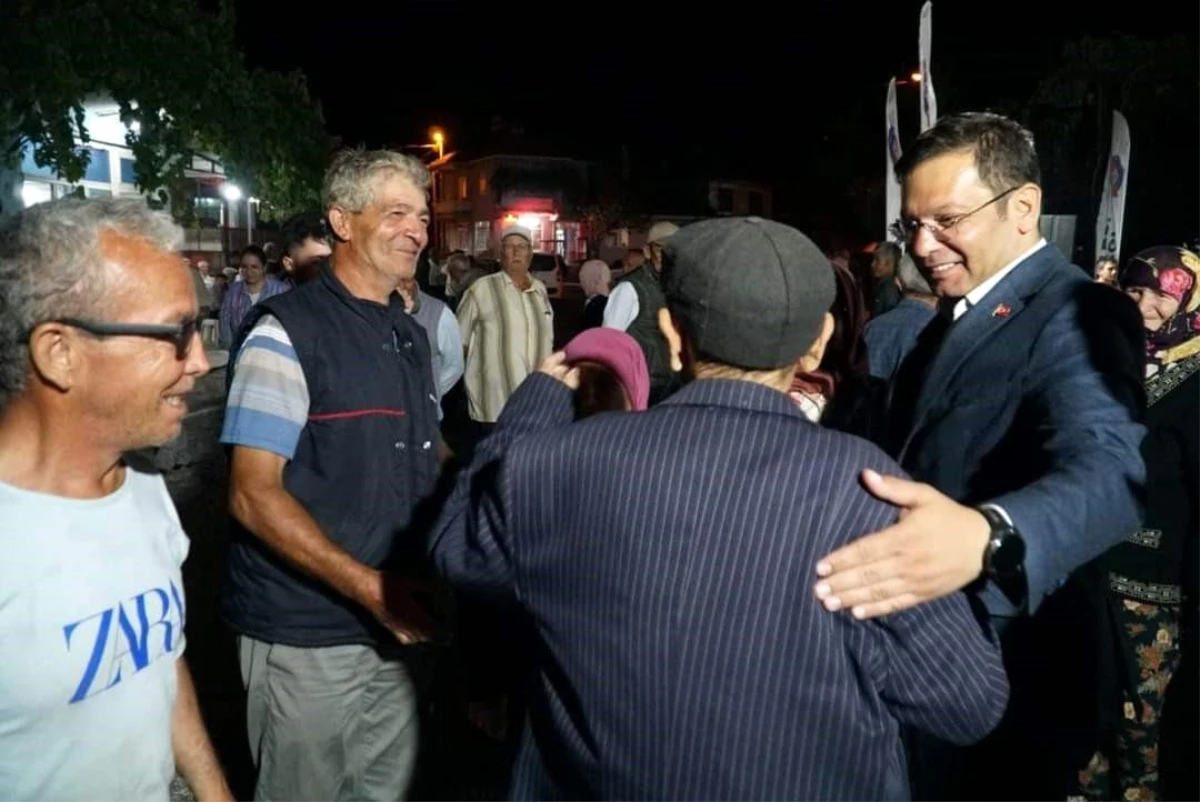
(232, 193)
(439, 144)
(251, 217)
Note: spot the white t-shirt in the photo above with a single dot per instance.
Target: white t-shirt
(91, 623)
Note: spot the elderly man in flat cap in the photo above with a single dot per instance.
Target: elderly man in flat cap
(678, 651)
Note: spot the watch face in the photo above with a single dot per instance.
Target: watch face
(1010, 555)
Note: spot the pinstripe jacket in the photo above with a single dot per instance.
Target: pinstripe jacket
(664, 562)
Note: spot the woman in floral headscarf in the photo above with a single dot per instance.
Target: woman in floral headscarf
(1153, 575)
(1163, 282)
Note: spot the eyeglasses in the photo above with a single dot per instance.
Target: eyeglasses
(943, 228)
(181, 335)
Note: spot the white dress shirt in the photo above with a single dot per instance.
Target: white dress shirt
(976, 295)
(622, 307)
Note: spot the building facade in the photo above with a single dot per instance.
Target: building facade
(686, 202)
(222, 223)
(473, 201)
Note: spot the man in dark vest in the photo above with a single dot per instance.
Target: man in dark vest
(633, 308)
(332, 419)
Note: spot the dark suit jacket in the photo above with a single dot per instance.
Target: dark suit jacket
(1032, 401)
(892, 335)
(665, 564)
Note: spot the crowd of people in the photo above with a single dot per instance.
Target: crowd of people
(769, 526)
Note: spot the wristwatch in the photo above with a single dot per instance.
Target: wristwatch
(1004, 557)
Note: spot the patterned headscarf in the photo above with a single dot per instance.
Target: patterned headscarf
(1174, 272)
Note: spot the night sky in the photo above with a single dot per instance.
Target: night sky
(794, 97)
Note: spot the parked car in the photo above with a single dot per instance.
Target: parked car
(549, 269)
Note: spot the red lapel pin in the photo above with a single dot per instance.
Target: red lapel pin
(1002, 311)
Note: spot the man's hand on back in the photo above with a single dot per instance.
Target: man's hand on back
(935, 548)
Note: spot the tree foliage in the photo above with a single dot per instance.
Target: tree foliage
(1151, 81)
(176, 71)
(614, 199)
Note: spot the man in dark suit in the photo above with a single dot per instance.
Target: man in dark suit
(1018, 409)
(677, 651)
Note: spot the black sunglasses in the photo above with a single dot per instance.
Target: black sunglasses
(181, 335)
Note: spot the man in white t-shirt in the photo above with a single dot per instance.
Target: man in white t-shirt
(98, 347)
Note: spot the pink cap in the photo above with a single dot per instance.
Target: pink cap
(618, 352)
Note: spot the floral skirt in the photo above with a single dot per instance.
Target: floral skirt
(1128, 768)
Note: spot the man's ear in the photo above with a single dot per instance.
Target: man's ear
(812, 360)
(339, 223)
(674, 339)
(1026, 207)
(55, 355)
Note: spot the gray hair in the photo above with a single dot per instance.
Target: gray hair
(50, 268)
(351, 178)
(910, 277)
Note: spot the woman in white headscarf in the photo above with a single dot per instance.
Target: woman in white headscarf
(594, 278)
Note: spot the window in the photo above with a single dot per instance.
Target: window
(725, 200)
(560, 240)
(464, 188)
(99, 169)
(127, 176)
(208, 211)
(755, 202)
(483, 183)
(483, 233)
(30, 167)
(458, 238)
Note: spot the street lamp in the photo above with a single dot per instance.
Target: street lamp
(231, 192)
(915, 77)
(439, 140)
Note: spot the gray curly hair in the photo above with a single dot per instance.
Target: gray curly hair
(50, 268)
(350, 179)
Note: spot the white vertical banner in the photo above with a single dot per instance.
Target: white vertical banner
(1112, 199)
(929, 112)
(891, 184)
